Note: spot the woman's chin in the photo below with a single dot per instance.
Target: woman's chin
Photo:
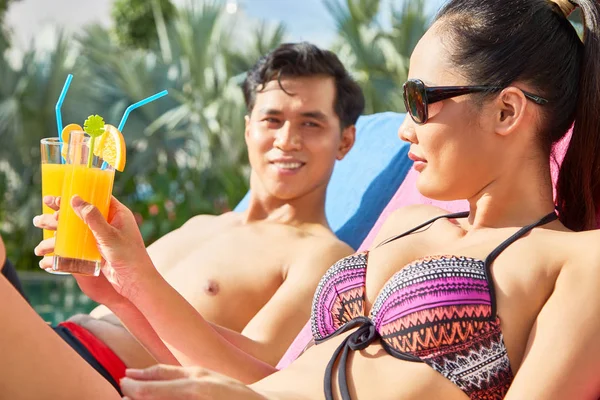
(435, 190)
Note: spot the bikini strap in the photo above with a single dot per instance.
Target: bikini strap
(498, 250)
(463, 214)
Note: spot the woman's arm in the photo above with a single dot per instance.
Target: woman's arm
(35, 363)
(140, 328)
(192, 339)
(132, 275)
(562, 360)
(99, 289)
(163, 382)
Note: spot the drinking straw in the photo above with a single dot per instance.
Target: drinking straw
(139, 104)
(59, 104)
(133, 107)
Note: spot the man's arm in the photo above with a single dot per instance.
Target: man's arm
(271, 331)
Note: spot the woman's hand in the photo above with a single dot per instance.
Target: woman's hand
(48, 222)
(96, 288)
(162, 382)
(127, 264)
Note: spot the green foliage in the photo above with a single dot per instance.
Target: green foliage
(186, 153)
(28, 95)
(4, 34)
(576, 19)
(378, 58)
(136, 21)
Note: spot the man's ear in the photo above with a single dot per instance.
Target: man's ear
(348, 138)
(246, 127)
(511, 108)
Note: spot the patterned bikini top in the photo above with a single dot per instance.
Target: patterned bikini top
(438, 310)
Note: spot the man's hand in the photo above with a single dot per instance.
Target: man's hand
(163, 382)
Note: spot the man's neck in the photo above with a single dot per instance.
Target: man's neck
(302, 212)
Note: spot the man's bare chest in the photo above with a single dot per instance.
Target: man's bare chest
(238, 270)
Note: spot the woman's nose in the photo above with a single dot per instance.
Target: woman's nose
(406, 132)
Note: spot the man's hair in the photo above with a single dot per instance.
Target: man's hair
(292, 60)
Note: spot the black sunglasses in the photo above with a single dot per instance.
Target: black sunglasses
(417, 96)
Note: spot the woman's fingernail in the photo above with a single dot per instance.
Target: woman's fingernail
(76, 201)
(133, 371)
(36, 220)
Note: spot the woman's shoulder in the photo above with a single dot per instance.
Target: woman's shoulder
(585, 249)
(579, 252)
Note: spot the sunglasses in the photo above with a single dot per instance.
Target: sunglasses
(417, 96)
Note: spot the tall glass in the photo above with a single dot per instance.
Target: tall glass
(76, 251)
(53, 174)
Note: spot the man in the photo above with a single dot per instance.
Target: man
(255, 272)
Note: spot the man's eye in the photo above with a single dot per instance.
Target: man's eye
(311, 124)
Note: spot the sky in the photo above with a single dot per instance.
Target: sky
(37, 20)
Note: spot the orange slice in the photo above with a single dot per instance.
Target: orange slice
(65, 135)
(110, 146)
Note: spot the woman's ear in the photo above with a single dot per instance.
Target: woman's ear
(511, 108)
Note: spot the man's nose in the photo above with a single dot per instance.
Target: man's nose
(287, 138)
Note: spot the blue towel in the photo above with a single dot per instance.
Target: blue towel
(364, 182)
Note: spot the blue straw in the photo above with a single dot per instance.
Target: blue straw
(139, 104)
(133, 107)
(59, 104)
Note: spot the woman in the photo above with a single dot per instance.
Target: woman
(8, 271)
(498, 302)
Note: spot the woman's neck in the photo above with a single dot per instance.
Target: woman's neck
(519, 197)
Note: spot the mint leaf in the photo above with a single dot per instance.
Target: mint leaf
(94, 126)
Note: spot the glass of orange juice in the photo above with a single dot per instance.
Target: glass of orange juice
(53, 174)
(92, 180)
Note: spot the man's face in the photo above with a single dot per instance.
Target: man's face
(293, 141)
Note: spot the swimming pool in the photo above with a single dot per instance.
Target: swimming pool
(55, 298)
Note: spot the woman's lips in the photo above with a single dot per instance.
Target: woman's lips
(419, 163)
(416, 158)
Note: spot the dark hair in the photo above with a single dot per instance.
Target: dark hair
(302, 60)
(499, 42)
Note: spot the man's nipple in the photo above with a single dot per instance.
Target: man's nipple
(211, 287)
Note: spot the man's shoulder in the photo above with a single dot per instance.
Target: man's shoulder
(317, 254)
(193, 229)
(203, 221)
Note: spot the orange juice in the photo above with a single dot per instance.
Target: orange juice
(52, 183)
(76, 248)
